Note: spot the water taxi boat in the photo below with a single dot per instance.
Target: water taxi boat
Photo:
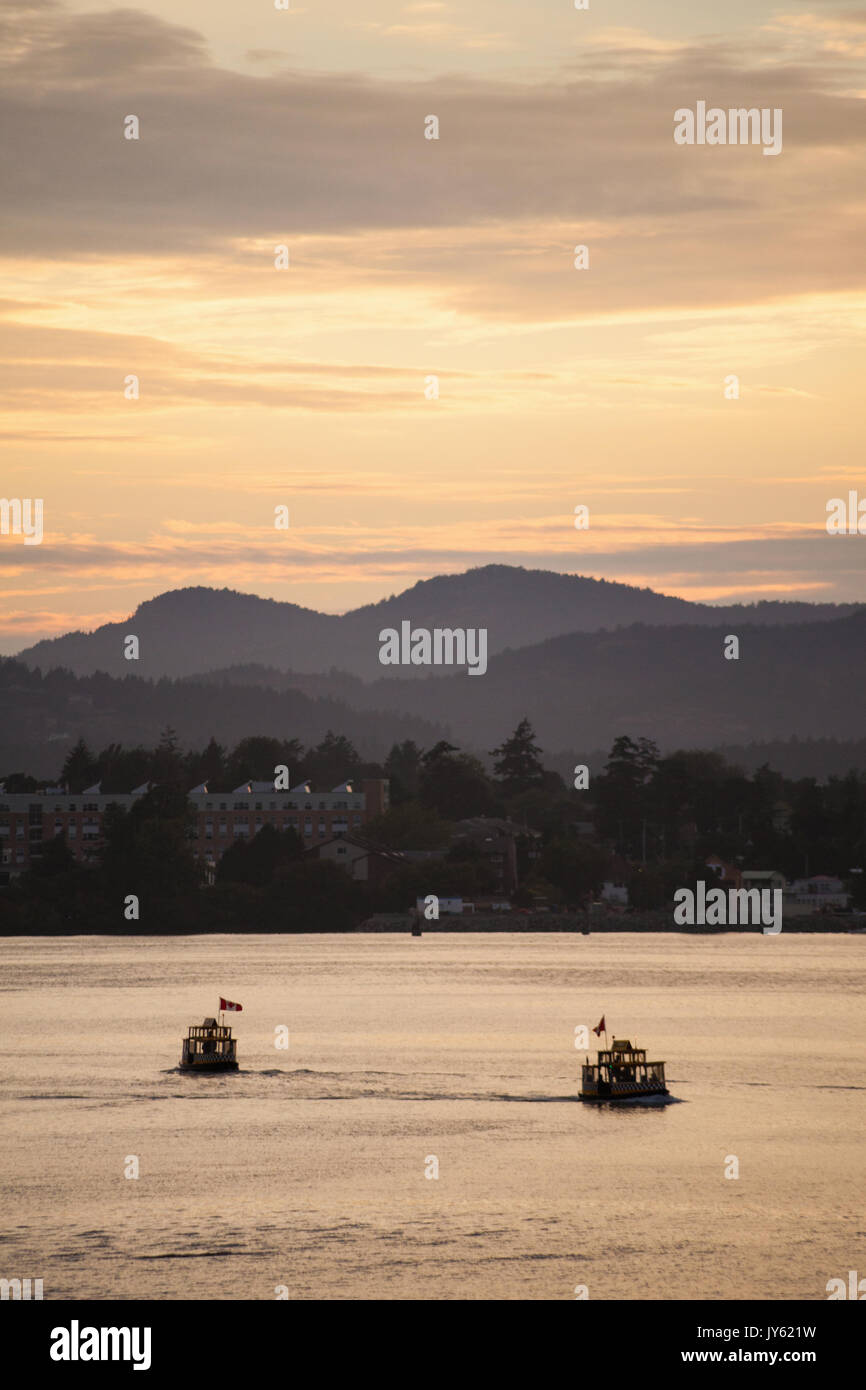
(622, 1073)
(209, 1046)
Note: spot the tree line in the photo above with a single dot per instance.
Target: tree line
(647, 820)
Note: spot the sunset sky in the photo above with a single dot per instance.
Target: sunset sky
(411, 257)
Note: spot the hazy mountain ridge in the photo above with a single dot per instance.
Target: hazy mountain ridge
(43, 713)
(185, 632)
(581, 690)
(672, 683)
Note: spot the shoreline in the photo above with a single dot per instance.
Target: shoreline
(395, 924)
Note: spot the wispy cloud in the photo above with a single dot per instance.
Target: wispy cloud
(412, 258)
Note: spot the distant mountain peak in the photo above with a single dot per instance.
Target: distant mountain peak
(195, 629)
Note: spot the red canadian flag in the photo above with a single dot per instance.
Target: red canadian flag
(599, 1029)
(226, 1005)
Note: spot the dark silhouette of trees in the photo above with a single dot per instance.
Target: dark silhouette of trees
(409, 825)
(254, 759)
(148, 849)
(256, 861)
(621, 792)
(655, 820)
(402, 767)
(455, 784)
(331, 761)
(79, 769)
(575, 869)
(519, 767)
(19, 782)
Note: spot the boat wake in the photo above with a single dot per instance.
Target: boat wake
(307, 1084)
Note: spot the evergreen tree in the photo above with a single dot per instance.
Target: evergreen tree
(148, 849)
(576, 870)
(519, 767)
(331, 761)
(256, 861)
(121, 769)
(455, 784)
(79, 768)
(167, 759)
(440, 750)
(402, 767)
(255, 758)
(621, 794)
(19, 782)
(209, 766)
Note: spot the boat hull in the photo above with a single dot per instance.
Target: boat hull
(623, 1097)
(208, 1066)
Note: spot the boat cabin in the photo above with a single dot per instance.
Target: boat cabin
(622, 1072)
(210, 1045)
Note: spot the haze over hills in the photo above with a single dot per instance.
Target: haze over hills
(186, 632)
(43, 713)
(586, 660)
(671, 683)
(580, 691)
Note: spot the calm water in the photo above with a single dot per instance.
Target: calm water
(307, 1168)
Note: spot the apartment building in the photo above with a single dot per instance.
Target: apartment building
(224, 817)
(29, 819)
